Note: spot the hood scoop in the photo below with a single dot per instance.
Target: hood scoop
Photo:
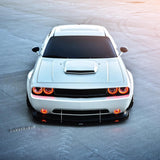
(80, 67)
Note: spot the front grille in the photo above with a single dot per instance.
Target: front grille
(80, 93)
(80, 112)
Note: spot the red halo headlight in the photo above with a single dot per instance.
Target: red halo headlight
(123, 90)
(112, 91)
(48, 91)
(37, 90)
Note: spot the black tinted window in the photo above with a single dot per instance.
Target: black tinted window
(79, 47)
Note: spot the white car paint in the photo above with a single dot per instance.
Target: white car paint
(52, 73)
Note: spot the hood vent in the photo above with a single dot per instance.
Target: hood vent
(80, 67)
(80, 71)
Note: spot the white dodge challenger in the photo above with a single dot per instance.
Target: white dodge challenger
(79, 76)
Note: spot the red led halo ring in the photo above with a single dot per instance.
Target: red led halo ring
(123, 90)
(112, 91)
(48, 91)
(37, 90)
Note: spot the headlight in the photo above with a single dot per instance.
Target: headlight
(112, 91)
(118, 91)
(123, 90)
(48, 91)
(42, 91)
(37, 90)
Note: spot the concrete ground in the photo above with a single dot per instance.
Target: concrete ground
(132, 23)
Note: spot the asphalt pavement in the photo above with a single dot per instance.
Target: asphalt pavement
(135, 24)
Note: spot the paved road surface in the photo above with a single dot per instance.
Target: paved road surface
(24, 24)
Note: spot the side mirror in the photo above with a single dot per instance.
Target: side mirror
(123, 50)
(35, 49)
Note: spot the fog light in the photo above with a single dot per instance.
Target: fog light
(44, 121)
(117, 111)
(44, 111)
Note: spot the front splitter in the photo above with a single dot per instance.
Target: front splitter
(52, 118)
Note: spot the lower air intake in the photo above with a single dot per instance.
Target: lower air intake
(80, 112)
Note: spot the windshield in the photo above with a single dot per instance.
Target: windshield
(79, 47)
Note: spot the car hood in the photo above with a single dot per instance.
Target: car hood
(82, 71)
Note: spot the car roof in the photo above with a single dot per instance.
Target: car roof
(79, 30)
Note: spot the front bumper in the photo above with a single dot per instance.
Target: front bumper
(77, 118)
(52, 103)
